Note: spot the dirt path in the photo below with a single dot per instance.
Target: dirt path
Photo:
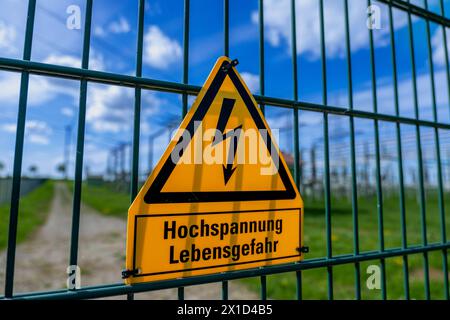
(41, 261)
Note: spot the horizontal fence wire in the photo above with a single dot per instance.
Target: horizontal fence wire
(139, 83)
(120, 288)
(176, 87)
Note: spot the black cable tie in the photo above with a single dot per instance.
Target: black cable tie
(129, 273)
(303, 249)
(227, 66)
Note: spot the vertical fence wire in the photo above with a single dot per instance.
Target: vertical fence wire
(419, 159)
(447, 64)
(18, 155)
(296, 146)
(352, 156)
(185, 54)
(437, 150)
(137, 103)
(226, 29)
(80, 140)
(263, 280)
(399, 156)
(261, 50)
(443, 223)
(226, 49)
(377, 162)
(137, 109)
(326, 151)
(263, 293)
(180, 290)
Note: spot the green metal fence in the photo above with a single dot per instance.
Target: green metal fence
(85, 75)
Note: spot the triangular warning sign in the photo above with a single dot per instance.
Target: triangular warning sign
(223, 160)
(226, 105)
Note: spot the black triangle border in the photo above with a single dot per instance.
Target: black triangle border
(154, 194)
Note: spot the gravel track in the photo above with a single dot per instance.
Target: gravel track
(41, 261)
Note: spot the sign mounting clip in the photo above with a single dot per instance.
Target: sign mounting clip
(227, 66)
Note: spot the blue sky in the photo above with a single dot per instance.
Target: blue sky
(53, 103)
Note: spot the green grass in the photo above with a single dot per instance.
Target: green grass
(105, 199)
(33, 210)
(283, 286)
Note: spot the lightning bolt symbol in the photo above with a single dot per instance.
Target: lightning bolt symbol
(224, 116)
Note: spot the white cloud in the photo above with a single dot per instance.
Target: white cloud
(99, 31)
(252, 81)
(67, 111)
(117, 27)
(385, 95)
(9, 82)
(278, 31)
(160, 51)
(110, 108)
(64, 60)
(44, 89)
(311, 122)
(7, 38)
(41, 89)
(96, 61)
(96, 157)
(38, 126)
(9, 127)
(36, 131)
(120, 26)
(437, 42)
(38, 139)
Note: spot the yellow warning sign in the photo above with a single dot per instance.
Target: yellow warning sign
(221, 198)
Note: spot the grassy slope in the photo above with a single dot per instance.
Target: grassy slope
(315, 281)
(33, 211)
(282, 286)
(105, 200)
